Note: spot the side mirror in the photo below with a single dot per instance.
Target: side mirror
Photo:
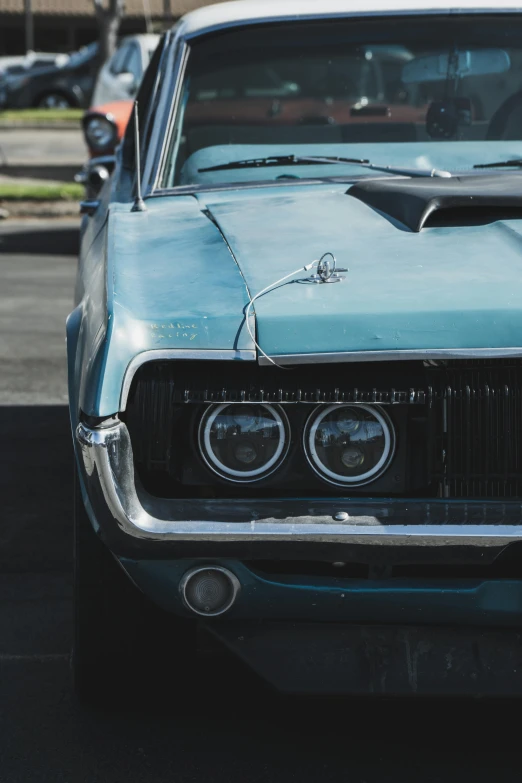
(97, 177)
(128, 81)
(89, 207)
(93, 176)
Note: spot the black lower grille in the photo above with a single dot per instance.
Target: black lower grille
(463, 418)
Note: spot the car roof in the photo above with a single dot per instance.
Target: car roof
(239, 12)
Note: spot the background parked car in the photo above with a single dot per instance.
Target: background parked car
(103, 129)
(121, 75)
(11, 68)
(19, 63)
(104, 123)
(55, 86)
(103, 126)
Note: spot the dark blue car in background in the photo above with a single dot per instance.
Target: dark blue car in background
(53, 86)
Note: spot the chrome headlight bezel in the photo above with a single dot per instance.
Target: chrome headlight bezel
(321, 470)
(111, 131)
(236, 476)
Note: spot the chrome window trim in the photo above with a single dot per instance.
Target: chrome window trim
(190, 190)
(170, 66)
(168, 107)
(415, 354)
(178, 353)
(150, 160)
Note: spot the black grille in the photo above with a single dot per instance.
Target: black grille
(464, 418)
(218, 382)
(476, 428)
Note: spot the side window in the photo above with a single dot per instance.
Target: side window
(118, 59)
(132, 63)
(41, 64)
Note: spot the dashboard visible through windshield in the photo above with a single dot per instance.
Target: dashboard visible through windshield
(425, 91)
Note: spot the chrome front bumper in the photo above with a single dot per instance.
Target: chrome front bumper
(113, 494)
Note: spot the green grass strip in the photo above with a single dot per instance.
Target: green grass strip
(67, 191)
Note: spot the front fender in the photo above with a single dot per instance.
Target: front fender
(73, 326)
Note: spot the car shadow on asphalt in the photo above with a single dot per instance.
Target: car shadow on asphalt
(36, 470)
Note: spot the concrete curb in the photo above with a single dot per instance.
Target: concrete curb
(16, 126)
(39, 209)
(58, 173)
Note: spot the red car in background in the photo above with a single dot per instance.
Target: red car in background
(104, 126)
(103, 129)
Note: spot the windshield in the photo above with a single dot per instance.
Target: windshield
(441, 92)
(82, 55)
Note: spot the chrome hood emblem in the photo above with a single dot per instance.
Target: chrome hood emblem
(327, 271)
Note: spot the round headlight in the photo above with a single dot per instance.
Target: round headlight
(349, 445)
(243, 442)
(100, 133)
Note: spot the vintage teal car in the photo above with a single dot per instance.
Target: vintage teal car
(295, 357)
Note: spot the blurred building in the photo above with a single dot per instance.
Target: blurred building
(65, 25)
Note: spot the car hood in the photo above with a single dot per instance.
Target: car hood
(446, 287)
(177, 279)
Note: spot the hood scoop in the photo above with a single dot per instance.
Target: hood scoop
(459, 201)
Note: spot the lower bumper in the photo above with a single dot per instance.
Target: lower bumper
(386, 660)
(320, 599)
(107, 467)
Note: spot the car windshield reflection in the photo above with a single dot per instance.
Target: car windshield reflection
(336, 83)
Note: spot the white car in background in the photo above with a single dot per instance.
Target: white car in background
(17, 64)
(12, 67)
(121, 75)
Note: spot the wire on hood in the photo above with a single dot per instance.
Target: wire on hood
(306, 268)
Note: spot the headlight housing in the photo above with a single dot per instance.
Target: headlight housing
(244, 442)
(349, 445)
(100, 133)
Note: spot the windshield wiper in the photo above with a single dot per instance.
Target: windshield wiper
(306, 160)
(500, 164)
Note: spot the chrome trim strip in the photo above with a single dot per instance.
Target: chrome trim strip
(190, 190)
(168, 108)
(415, 354)
(179, 353)
(157, 135)
(108, 466)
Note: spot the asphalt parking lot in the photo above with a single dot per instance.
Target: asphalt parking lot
(30, 146)
(218, 732)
